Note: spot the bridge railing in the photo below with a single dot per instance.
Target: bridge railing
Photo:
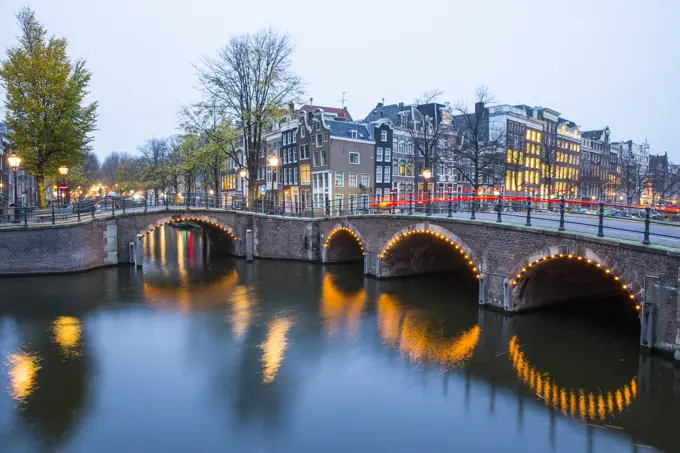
(645, 223)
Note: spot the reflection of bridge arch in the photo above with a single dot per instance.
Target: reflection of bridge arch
(567, 258)
(418, 339)
(576, 403)
(439, 234)
(338, 306)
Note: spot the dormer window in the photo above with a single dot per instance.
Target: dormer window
(354, 134)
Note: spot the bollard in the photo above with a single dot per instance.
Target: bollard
(410, 203)
(53, 213)
(113, 208)
(528, 211)
(25, 212)
(138, 251)
(123, 200)
(429, 203)
(249, 245)
(328, 207)
(561, 228)
(145, 195)
(646, 241)
(283, 209)
(500, 208)
(600, 226)
(78, 210)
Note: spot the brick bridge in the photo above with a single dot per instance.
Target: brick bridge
(517, 267)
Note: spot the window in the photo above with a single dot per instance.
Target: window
(338, 203)
(323, 157)
(325, 137)
(354, 134)
(402, 167)
(325, 181)
(378, 193)
(352, 179)
(318, 140)
(378, 154)
(395, 167)
(285, 158)
(388, 154)
(365, 179)
(340, 179)
(409, 170)
(378, 174)
(364, 201)
(294, 154)
(386, 175)
(383, 136)
(315, 158)
(316, 125)
(304, 151)
(293, 137)
(353, 157)
(285, 139)
(302, 131)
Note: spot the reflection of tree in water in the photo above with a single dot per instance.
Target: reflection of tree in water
(49, 377)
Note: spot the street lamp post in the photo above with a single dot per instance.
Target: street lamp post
(274, 162)
(63, 171)
(14, 162)
(427, 174)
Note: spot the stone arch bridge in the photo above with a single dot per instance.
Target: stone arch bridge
(517, 267)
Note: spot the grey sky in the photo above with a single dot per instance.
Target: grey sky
(598, 62)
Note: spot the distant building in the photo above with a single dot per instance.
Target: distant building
(596, 181)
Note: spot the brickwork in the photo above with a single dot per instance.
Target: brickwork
(499, 252)
(53, 249)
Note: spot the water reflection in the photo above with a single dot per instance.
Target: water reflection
(420, 338)
(23, 369)
(67, 331)
(338, 305)
(577, 403)
(274, 347)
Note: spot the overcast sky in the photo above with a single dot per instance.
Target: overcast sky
(598, 62)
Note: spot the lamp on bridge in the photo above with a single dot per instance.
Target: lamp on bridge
(274, 162)
(14, 161)
(63, 171)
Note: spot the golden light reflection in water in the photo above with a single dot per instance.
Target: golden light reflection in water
(162, 245)
(274, 347)
(23, 370)
(337, 305)
(243, 310)
(67, 332)
(419, 339)
(579, 403)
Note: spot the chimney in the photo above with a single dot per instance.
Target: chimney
(291, 106)
(401, 105)
(479, 108)
(311, 102)
(381, 114)
(379, 104)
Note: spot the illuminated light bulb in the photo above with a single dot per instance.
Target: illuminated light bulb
(524, 269)
(632, 296)
(624, 286)
(529, 265)
(616, 278)
(570, 256)
(580, 257)
(519, 276)
(561, 255)
(637, 307)
(599, 265)
(589, 261)
(607, 271)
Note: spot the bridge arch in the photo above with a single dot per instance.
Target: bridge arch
(344, 243)
(228, 243)
(418, 259)
(559, 273)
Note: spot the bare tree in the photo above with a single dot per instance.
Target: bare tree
(430, 134)
(664, 177)
(250, 81)
(633, 179)
(154, 157)
(481, 142)
(548, 161)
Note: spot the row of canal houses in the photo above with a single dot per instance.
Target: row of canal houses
(326, 157)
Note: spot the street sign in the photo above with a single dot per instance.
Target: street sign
(63, 187)
(263, 189)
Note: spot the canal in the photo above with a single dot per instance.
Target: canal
(206, 353)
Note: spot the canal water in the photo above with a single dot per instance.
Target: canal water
(204, 353)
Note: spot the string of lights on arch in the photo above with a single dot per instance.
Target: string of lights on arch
(195, 219)
(458, 248)
(337, 230)
(576, 258)
(576, 403)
